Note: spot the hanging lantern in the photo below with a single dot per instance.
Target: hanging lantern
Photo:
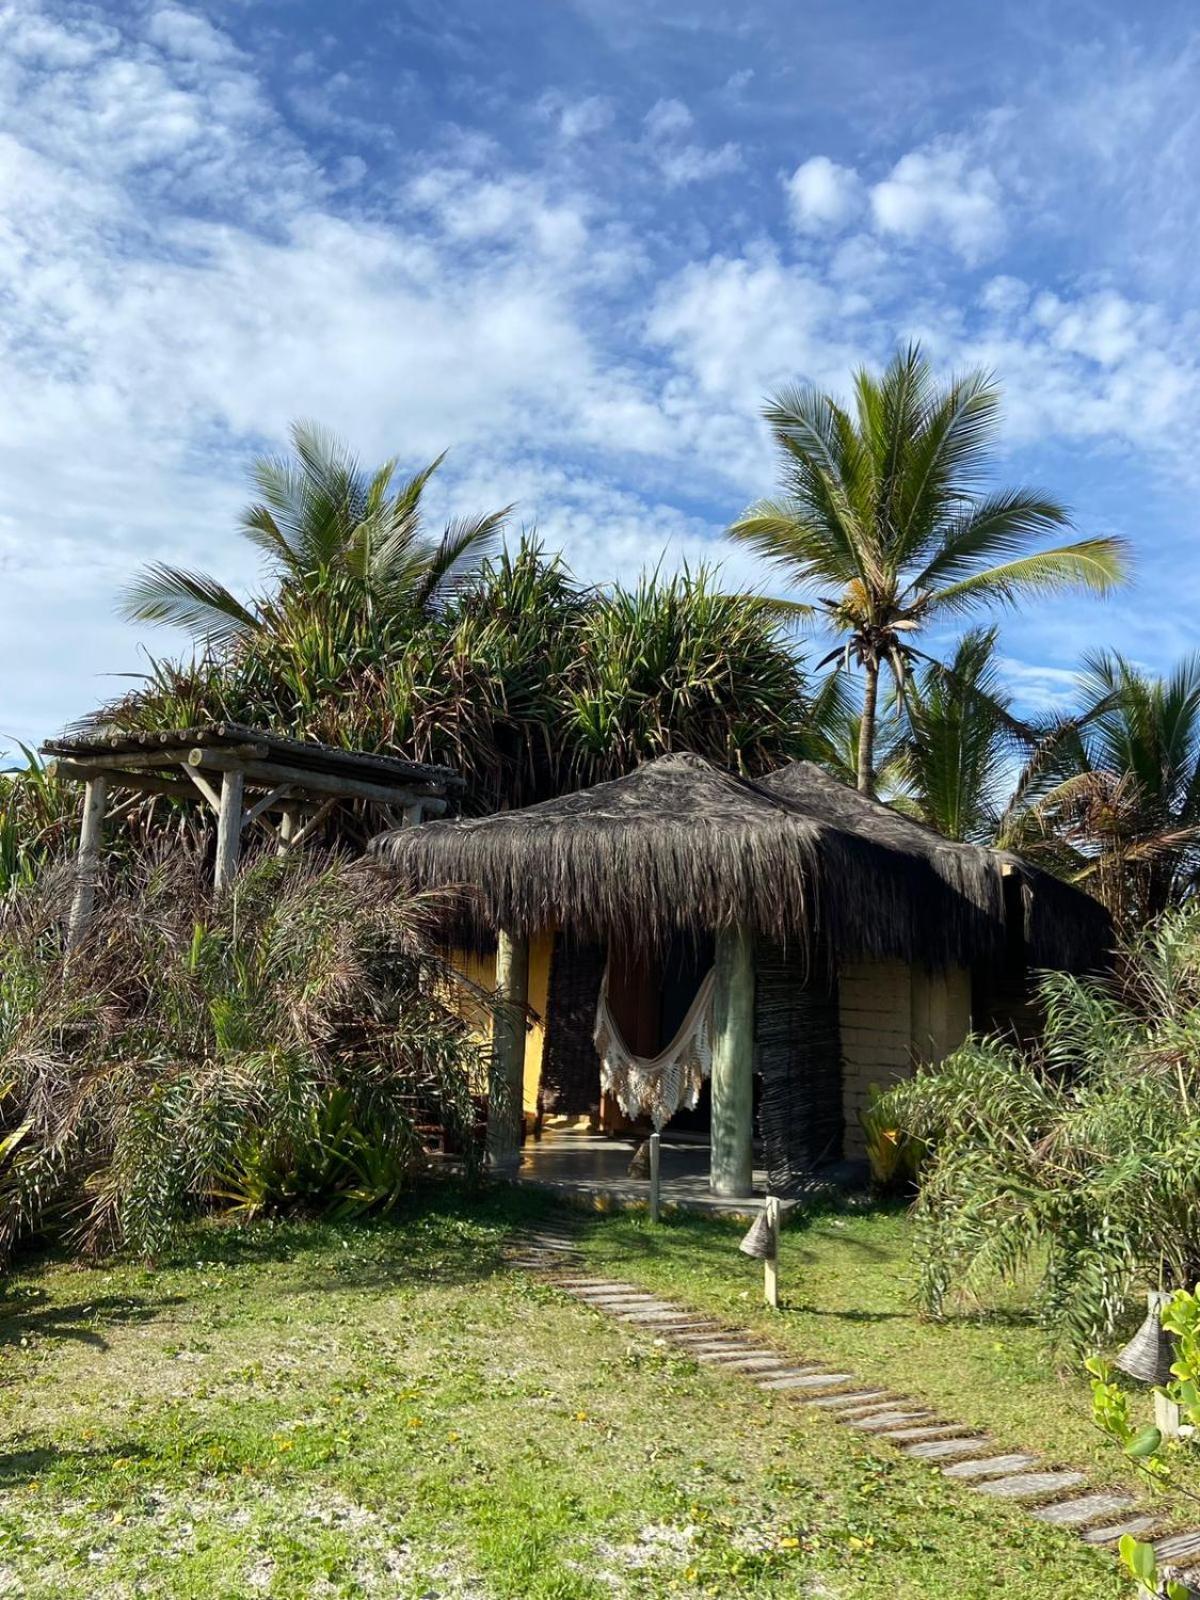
(1148, 1355)
(760, 1239)
(639, 1167)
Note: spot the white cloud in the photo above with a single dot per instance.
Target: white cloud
(682, 161)
(939, 193)
(576, 119)
(822, 196)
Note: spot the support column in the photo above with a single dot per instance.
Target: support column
(733, 1064)
(87, 868)
(289, 826)
(229, 829)
(506, 1087)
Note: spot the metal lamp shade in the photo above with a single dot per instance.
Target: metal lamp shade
(1148, 1355)
(760, 1239)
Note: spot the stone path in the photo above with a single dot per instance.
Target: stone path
(962, 1454)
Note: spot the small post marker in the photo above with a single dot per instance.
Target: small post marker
(762, 1244)
(655, 1155)
(771, 1264)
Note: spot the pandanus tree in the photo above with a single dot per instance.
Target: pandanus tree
(340, 546)
(884, 525)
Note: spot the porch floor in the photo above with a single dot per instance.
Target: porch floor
(590, 1164)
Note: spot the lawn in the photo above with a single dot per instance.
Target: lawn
(304, 1409)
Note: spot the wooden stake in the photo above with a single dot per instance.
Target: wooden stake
(87, 862)
(771, 1264)
(229, 830)
(655, 1154)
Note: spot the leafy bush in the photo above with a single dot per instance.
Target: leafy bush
(1079, 1160)
(299, 1031)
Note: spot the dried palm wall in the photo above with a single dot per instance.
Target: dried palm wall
(891, 1014)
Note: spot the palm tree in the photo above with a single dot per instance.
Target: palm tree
(883, 520)
(326, 529)
(954, 765)
(1116, 806)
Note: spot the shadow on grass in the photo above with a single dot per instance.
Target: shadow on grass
(34, 1316)
(20, 1467)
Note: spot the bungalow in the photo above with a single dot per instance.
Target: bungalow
(747, 957)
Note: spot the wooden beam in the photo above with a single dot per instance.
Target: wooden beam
(87, 862)
(506, 1085)
(281, 791)
(412, 816)
(206, 789)
(318, 817)
(732, 1136)
(229, 830)
(143, 782)
(270, 772)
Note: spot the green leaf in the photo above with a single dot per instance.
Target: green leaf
(1139, 1558)
(1145, 1443)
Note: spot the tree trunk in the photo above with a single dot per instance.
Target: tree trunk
(866, 733)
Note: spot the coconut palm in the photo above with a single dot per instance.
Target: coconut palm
(1117, 807)
(884, 525)
(333, 538)
(955, 764)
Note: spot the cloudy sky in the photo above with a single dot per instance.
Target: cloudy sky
(575, 242)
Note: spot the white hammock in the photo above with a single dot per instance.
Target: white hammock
(656, 1086)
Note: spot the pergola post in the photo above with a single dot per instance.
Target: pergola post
(91, 832)
(229, 828)
(507, 1083)
(732, 1161)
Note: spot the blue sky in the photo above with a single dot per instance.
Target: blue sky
(575, 243)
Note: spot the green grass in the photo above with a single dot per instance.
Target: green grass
(847, 1286)
(389, 1410)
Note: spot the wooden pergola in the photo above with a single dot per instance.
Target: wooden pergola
(248, 778)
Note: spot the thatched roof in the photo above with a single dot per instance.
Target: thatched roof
(679, 845)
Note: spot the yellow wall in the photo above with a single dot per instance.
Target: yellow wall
(892, 1015)
(481, 969)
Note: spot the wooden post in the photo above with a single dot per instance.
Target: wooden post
(229, 829)
(771, 1263)
(287, 828)
(731, 1171)
(506, 1088)
(655, 1156)
(413, 815)
(87, 861)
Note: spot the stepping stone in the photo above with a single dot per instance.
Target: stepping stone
(932, 1430)
(651, 1313)
(734, 1357)
(990, 1466)
(949, 1449)
(1112, 1532)
(859, 1402)
(1031, 1485)
(881, 1421)
(760, 1363)
(809, 1380)
(1178, 1547)
(704, 1347)
(1074, 1513)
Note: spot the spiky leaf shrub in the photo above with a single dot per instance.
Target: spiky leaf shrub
(1079, 1160)
(182, 1034)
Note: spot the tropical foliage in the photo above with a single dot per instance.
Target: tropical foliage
(525, 681)
(340, 546)
(1113, 802)
(1076, 1160)
(884, 527)
(293, 1042)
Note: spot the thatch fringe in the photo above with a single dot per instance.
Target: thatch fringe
(678, 846)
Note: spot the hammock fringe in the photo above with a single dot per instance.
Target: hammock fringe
(657, 1086)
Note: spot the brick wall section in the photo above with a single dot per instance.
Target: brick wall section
(889, 1014)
